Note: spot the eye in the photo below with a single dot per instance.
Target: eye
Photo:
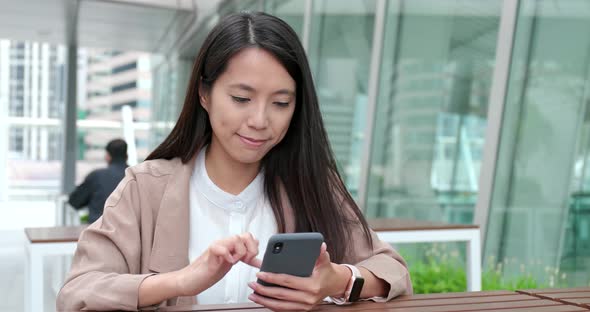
(240, 99)
(282, 104)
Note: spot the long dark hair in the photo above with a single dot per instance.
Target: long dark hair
(303, 161)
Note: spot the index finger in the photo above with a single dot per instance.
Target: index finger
(252, 250)
(250, 242)
(255, 262)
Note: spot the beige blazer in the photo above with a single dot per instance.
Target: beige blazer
(145, 230)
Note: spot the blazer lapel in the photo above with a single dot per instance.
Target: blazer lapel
(171, 234)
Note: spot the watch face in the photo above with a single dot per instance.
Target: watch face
(355, 292)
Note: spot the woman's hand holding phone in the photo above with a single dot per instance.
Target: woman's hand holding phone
(301, 293)
(216, 261)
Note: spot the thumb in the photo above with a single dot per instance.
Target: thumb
(324, 256)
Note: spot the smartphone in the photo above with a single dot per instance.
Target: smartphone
(291, 253)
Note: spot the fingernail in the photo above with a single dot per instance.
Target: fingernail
(252, 285)
(260, 275)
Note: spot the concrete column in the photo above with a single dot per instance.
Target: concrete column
(69, 123)
(4, 128)
(44, 102)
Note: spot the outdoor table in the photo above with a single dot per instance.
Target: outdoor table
(43, 242)
(489, 301)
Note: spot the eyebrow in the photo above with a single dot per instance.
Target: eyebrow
(248, 88)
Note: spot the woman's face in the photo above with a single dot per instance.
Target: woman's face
(250, 106)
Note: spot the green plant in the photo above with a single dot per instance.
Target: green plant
(432, 276)
(84, 218)
(434, 269)
(493, 280)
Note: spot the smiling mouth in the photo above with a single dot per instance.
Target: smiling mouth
(251, 142)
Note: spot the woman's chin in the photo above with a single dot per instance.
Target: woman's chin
(248, 156)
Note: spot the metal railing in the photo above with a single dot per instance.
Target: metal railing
(66, 215)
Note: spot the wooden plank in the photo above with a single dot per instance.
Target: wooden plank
(566, 296)
(56, 234)
(480, 306)
(456, 295)
(583, 302)
(463, 300)
(553, 290)
(453, 306)
(216, 307)
(562, 308)
(435, 305)
(578, 296)
(395, 224)
(197, 308)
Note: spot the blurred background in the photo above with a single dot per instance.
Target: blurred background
(460, 111)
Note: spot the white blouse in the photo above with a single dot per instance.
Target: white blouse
(216, 214)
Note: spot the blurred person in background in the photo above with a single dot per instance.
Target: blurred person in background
(100, 183)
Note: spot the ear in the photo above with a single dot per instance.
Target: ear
(203, 96)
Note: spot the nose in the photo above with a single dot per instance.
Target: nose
(258, 118)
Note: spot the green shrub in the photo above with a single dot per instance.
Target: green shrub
(437, 270)
(432, 276)
(84, 218)
(493, 280)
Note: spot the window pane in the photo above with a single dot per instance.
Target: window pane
(291, 11)
(436, 72)
(171, 78)
(340, 53)
(539, 212)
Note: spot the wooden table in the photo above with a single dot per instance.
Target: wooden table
(490, 301)
(415, 231)
(574, 296)
(43, 242)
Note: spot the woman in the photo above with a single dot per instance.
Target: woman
(248, 157)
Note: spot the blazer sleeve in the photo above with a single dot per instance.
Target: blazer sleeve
(381, 260)
(105, 270)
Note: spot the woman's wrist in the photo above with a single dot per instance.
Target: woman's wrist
(344, 276)
(188, 282)
(177, 282)
(158, 288)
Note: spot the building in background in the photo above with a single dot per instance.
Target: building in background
(32, 84)
(114, 79)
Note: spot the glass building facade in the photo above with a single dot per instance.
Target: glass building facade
(406, 89)
(539, 210)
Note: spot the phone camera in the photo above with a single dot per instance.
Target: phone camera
(277, 248)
